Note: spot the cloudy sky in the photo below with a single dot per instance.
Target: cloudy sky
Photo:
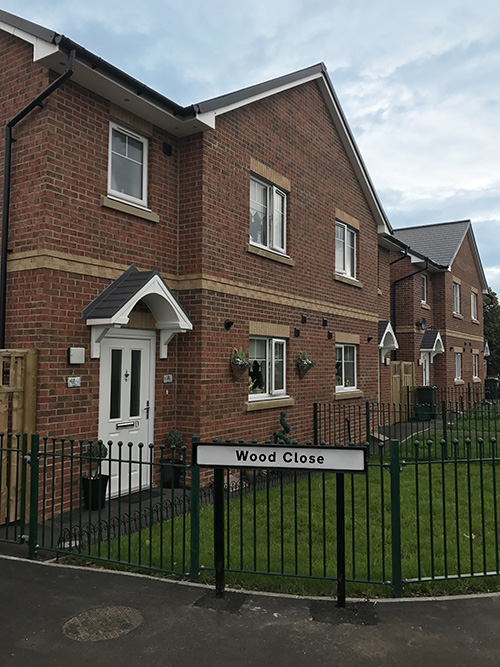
(419, 82)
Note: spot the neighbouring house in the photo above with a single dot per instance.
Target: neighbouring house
(437, 307)
(146, 245)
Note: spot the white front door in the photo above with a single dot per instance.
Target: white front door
(425, 369)
(126, 405)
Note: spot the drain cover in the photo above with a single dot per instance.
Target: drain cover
(95, 625)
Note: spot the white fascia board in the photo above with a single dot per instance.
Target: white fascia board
(50, 56)
(156, 286)
(209, 116)
(41, 48)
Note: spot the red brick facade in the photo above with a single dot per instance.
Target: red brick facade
(67, 245)
(460, 332)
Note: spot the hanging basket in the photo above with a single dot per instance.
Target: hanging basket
(239, 370)
(304, 368)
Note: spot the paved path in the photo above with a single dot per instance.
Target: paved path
(56, 616)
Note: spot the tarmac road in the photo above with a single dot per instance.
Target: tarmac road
(52, 615)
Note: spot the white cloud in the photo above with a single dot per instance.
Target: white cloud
(418, 81)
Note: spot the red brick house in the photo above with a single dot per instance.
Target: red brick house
(144, 242)
(437, 287)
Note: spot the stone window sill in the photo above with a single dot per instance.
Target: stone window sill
(458, 316)
(269, 403)
(269, 254)
(342, 395)
(459, 382)
(123, 207)
(348, 281)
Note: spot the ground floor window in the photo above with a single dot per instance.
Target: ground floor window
(475, 365)
(345, 367)
(267, 367)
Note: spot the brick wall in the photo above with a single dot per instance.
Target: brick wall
(67, 246)
(459, 334)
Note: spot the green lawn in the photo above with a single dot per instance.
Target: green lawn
(449, 526)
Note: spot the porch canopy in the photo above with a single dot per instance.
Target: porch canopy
(113, 306)
(431, 343)
(386, 338)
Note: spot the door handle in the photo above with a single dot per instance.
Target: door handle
(147, 409)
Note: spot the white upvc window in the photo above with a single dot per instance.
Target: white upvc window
(267, 357)
(345, 367)
(345, 250)
(458, 366)
(456, 298)
(475, 365)
(423, 289)
(267, 216)
(127, 165)
(473, 305)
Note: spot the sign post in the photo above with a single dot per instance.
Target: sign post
(338, 459)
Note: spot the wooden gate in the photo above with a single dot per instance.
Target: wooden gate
(18, 371)
(402, 385)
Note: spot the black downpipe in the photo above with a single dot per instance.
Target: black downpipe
(393, 287)
(37, 101)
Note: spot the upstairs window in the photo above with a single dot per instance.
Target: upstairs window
(473, 305)
(267, 216)
(267, 368)
(345, 367)
(345, 250)
(423, 289)
(127, 169)
(456, 298)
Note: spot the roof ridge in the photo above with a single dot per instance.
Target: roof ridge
(431, 224)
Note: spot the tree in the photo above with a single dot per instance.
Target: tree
(491, 313)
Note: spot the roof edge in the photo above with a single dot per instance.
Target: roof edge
(228, 99)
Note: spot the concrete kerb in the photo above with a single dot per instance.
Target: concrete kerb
(205, 587)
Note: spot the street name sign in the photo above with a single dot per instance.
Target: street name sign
(281, 457)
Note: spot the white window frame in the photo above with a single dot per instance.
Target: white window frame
(456, 298)
(270, 390)
(475, 366)
(123, 196)
(343, 387)
(274, 217)
(458, 365)
(473, 306)
(344, 267)
(423, 289)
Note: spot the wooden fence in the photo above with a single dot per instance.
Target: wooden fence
(18, 373)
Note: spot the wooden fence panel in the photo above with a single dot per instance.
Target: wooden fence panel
(18, 373)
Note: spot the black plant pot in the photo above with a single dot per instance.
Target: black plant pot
(171, 474)
(94, 491)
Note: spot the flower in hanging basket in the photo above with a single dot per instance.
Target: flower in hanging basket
(239, 364)
(304, 364)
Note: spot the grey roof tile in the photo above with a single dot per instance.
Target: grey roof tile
(116, 295)
(439, 242)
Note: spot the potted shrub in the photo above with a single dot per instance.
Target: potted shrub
(95, 485)
(239, 364)
(171, 468)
